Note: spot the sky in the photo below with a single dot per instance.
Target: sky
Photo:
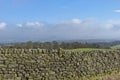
(44, 20)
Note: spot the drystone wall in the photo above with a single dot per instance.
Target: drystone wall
(37, 64)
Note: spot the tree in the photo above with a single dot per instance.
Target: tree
(55, 45)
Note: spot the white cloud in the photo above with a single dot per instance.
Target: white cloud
(118, 11)
(73, 21)
(77, 21)
(2, 25)
(19, 25)
(114, 24)
(34, 24)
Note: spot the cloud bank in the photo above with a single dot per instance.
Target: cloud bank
(67, 30)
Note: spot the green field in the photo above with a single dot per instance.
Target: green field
(42, 64)
(89, 49)
(116, 47)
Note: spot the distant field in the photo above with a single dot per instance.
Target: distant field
(116, 47)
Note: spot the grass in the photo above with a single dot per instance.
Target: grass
(89, 49)
(112, 77)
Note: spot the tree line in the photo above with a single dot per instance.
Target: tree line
(51, 45)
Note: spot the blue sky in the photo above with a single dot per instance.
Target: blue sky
(40, 19)
(57, 10)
